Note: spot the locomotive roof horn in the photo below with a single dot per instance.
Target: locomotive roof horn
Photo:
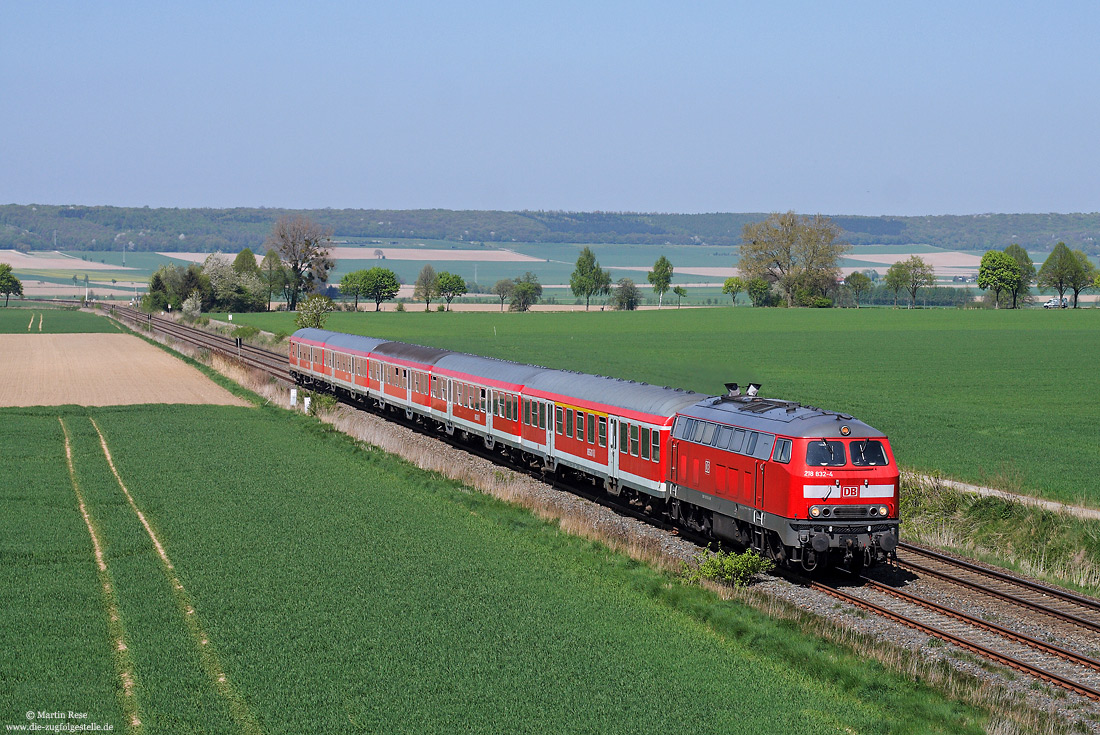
(754, 388)
(732, 390)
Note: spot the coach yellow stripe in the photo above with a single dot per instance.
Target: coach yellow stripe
(120, 650)
(211, 663)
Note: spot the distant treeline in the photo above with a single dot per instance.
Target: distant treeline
(34, 227)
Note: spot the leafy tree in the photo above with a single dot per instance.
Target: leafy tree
(918, 275)
(427, 286)
(758, 290)
(733, 286)
(998, 272)
(588, 278)
(303, 246)
(314, 311)
(793, 252)
(450, 286)
(192, 306)
(354, 284)
(660, 277)
(503, 289)
(897, 276)
(245, 262)
(1059, 270)
(1027, 273)
(526, 292)
(625, 297)
(9, 284)
(380, 284)
(272, 274)
(858, 284)
(1081, 277)
(681, 293)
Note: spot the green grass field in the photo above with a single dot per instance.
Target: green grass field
(52, 321)
(341, 590)
(1008, 398)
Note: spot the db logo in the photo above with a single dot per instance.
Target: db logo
(706, 467)
(849, 492)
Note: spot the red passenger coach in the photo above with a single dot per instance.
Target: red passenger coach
(802, 485)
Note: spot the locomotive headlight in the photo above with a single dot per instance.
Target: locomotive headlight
(883, 510)
(815, 511)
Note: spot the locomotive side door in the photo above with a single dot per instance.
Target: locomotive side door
(760, 485)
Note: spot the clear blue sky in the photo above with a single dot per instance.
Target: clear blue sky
(840, 108)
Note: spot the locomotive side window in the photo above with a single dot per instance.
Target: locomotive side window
(591, 429)
(603, 431)
(697, 432)
(738, 440)
(825, 454)
(723, 440)
(708, 433)
(656, 448)
(750, 446)
(763, 446)
(684, 427)
(782, 451)
(645, 443)
(867, 453)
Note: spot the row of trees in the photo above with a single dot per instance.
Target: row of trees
(1012, 272)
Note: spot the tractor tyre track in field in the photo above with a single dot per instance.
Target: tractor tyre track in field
(211, 662)
(120, 653)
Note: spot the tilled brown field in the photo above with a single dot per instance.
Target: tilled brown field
(98, 370)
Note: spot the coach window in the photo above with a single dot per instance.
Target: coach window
(514, 400)
(656, 446)
(591, 429)
(645, 443)
(557, 418)
(603, 431)
(580, 425)
(634, 440)
(526, 412)
(624, 433)
(782, 451)
(569, 422)
(542, 415)
(484, 400)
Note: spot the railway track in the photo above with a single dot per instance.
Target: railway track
(1070, 669)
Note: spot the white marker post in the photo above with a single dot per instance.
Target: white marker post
(305, 404)
(293, 397)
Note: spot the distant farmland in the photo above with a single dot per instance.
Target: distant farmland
(1007, 398)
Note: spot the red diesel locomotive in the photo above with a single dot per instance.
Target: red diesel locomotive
(802, 485)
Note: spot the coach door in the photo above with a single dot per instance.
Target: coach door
(613, 446)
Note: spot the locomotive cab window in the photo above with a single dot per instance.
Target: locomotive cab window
(867, 453)
(822, 453)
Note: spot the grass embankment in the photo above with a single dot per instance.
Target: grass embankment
(344, 590)
(1055, 547)
(51, 321)
(1002, 398)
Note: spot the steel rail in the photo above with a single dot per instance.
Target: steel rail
(977, 648)
(1061, 594)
